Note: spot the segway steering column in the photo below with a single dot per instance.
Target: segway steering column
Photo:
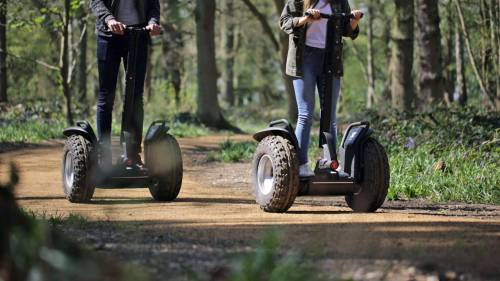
(128, 135)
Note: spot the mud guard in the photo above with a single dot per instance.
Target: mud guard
(351, 148)
(83, 129)
(281, 128)
(156, 130)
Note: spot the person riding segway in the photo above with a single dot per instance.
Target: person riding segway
(113, 17)
(123, 30)
(280, 166)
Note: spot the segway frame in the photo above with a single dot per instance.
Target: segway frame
(327, 182)
(116, 177)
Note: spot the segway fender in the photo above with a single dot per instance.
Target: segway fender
(351, 148)
(156, 130)
(83, 129)
(280, 128)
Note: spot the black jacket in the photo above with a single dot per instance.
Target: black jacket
(334, 43)
(104, 10)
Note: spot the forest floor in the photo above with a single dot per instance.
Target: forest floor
(216, 217)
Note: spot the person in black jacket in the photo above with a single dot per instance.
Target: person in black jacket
(113, 16)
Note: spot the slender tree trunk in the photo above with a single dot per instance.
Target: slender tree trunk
(370, 95)
(494, 13)
(479, 78)
(386, 99)
(229, 50)
(402, 56)
(461, 86)
(172, 47)
(449, 72)
(3, 51)
(429, 39)
(283, 49)
(488, 50)
(281, 44)
(82, 67)
(208, 112)
(65, 61)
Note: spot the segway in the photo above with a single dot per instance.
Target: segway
(82, 170)
(360, 172)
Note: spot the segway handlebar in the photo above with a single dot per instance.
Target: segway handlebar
(335, 15)
(139, 29)
(136, 29)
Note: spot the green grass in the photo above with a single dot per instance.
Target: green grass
(70, 220)
(186, 130)
(230, 152)
(465, 140)
(471, 175)
(31, 131)
(266, 263)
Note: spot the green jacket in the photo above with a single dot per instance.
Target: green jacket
(334, 43)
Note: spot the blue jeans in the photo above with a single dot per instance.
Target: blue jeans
(305, 94)
(111, 51)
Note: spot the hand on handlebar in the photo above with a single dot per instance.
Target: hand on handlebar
(357, 15)
(312, 15)
(116, 27)
(154, 29)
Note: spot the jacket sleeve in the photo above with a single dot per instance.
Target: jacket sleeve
(288, 22)
(101, 11)
(348, 31)
(154, 12)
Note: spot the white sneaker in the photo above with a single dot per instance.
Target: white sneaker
(305, 171)
(341, 172)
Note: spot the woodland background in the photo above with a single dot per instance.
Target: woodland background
(424, 72)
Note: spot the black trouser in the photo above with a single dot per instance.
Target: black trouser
(110, 53)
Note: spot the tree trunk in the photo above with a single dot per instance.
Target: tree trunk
(229, 50)
(3, 51)
(370, 94)
(82, 67)
(461, 87)
(429, 39)
(494, 12)
(386, 99)
(65, 61)
(465, 31)
(208, 112)
(449, 72)
(172, 47)
(402, 56)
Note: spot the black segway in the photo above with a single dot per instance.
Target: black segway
(361, 172)
(81, 168)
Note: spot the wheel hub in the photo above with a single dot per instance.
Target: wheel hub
(69, 173)
(265, 177)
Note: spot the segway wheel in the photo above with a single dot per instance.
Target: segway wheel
(375, 181)
(77, 163)
(275, 174)
(164, 163)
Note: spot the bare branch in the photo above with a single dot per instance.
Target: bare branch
(40, 62)
(263, 22)
(471, 55)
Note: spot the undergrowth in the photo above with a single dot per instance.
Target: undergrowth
(230, 151)
(449, 154)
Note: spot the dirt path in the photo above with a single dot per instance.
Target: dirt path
(215, 216)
